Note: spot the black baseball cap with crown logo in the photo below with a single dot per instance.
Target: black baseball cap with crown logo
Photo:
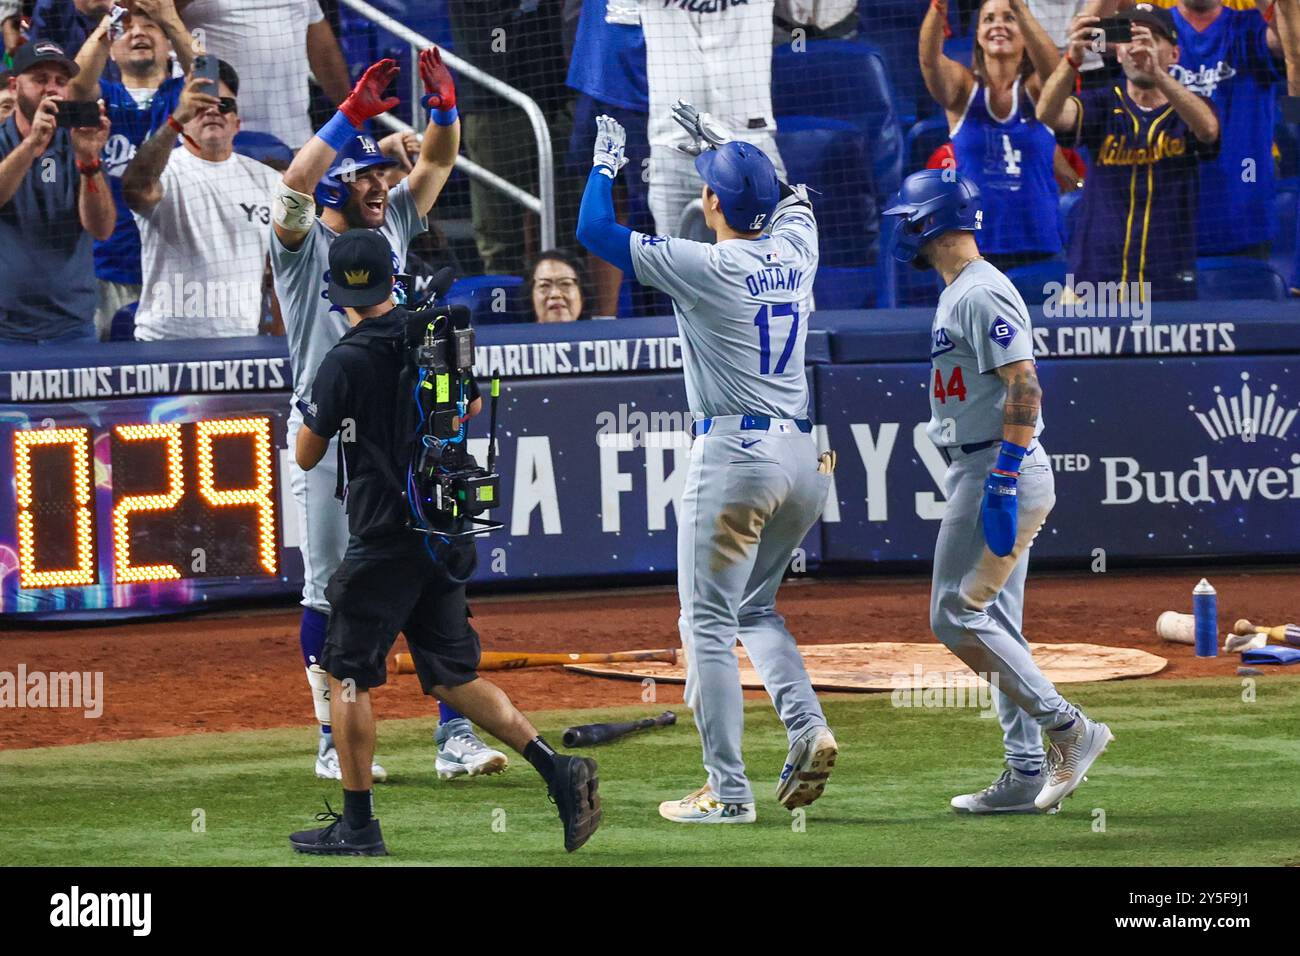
(361, 269)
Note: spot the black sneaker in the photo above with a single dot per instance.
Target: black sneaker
(575, 796)
(339, 839)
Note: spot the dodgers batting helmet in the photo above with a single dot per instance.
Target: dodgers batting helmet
(745, 182)
(361, 152)
(932, 202)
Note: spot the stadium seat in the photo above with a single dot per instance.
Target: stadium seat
(831, 157)
(122, 328)
(893, 26)
(922, 140)
(845, 80)
(838, 288)
(1226, 277)
(1282, 258)
(265, 148)
(486, 304)
(1030, 280)
(960, 49)
(1068, 214)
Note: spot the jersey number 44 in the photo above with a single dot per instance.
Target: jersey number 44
(956, 387)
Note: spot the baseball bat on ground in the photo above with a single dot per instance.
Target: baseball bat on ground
(588, 734)
(512, 660)
(1244, 633)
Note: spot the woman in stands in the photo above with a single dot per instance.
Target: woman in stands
(996, 139)
(555, 288)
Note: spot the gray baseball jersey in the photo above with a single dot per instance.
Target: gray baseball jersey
(753, 490)
(981, 324)
(742, 309)
(312, 323)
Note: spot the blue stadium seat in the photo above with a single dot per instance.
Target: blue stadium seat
(845, 80)
(831, 157)
(486, 304)
(1282, 258)
(122, 328)
(263, 147)
(1068, 209)
(1030, 280)
(923, 139)
(1226, 277)
(960, 49)
(837, 288)
(893, 26)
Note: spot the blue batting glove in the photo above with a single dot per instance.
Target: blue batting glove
(998, 513)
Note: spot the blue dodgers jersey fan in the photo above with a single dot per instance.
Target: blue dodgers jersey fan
(117, 258)
(1229, 63)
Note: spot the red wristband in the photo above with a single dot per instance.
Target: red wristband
(1074, 66)
(947, 30)
(90, 171)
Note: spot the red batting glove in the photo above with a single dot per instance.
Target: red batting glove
(439, 90)
(366, 100)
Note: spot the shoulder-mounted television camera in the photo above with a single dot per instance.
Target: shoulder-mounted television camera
(448, 491)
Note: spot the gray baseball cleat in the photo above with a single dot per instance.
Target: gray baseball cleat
(807, 768)
(1071, 753)
(1013, 792)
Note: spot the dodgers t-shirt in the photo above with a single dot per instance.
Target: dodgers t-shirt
(1230, 63)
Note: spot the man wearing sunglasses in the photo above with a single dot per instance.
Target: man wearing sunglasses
(203, 211)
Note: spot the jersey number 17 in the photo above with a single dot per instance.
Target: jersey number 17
(763, 319)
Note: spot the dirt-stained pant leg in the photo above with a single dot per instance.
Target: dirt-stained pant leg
(732, 500)
(968, 578)
(771, 647)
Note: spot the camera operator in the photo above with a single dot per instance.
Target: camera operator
(390, 578)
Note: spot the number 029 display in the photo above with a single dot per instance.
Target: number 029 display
(188, 500)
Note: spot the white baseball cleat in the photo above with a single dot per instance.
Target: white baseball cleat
(327, 763)
(807, 768)
(703, 807)
(1071, 753)
(1013, 792)
(460, 752)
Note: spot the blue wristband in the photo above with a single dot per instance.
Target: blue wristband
(338, 132)
(1010, 457)
(443, 117)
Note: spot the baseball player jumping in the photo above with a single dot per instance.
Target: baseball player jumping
(985, 404)
(755, 485)
(341, 168)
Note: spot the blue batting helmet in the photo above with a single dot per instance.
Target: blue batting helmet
(745, 182)
(361, 152)
(932, 202)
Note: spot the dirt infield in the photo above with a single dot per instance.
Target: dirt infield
(239, 671)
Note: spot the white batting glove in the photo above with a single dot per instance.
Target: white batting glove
(611, 144)
(704, 130)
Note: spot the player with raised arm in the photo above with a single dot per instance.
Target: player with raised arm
(755, 484)
(985, 404)
(342, 169)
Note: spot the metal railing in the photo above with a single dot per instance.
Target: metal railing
(543, 204)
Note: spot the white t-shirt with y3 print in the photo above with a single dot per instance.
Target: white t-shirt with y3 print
(203, 249)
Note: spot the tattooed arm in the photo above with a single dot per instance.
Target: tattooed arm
(1024, 399)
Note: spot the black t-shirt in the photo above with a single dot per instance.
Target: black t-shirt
(355, 396)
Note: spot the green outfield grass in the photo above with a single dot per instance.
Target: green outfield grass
(1196, 777)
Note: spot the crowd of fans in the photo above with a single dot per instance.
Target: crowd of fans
(152, 214)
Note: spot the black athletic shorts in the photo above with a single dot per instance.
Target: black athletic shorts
(372, 598)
